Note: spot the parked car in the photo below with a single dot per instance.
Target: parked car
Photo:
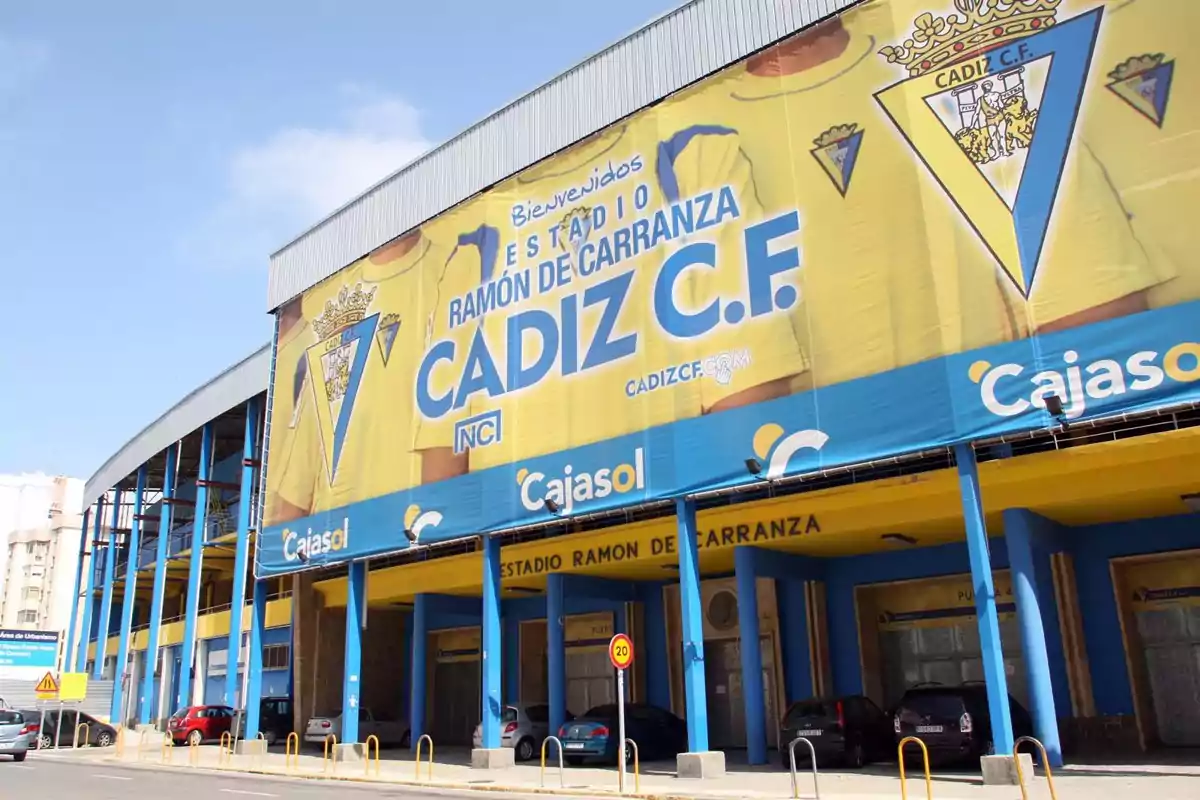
(197, 724)
(16, 737)
(390, 732)
(523, 728)
(954, 722)
(33, 718)
(60, 727)
(849, 730)
(274, 719)
(593, 737)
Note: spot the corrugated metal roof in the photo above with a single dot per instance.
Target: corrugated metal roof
(235, 385)
(669, 53)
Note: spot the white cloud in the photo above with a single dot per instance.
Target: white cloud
(312, 171)
(297, 176)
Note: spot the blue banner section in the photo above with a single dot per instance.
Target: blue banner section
(28, 648)
(1125, 365)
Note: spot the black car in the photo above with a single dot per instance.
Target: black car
(848, 730)
(274, 720)
(593, 737)
(953, 721)
(62, 730)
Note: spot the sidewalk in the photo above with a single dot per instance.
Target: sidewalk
(451, 770)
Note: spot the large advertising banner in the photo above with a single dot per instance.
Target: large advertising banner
(23, 651)
(907, 226)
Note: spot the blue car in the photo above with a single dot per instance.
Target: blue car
(658, 734)
(16, 735)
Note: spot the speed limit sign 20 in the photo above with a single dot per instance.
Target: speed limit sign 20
(620, 651)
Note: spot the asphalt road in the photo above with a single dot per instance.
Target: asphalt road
(57, 778)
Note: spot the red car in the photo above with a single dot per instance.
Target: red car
(200, 724)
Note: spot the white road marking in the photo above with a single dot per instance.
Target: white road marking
(243, 791)
(113, 777)
(20, 766)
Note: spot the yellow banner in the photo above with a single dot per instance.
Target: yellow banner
(1160, 584)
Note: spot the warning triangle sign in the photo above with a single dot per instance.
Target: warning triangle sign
(47, 685)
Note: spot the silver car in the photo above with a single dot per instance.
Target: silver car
(522, 727)
(16, 735)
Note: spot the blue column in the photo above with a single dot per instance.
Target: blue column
(985, 598)
(187, 669)
(693, 626)
(556, 652)
(110, 568)
(356, 609)
(72, 640)
(417, 687)
(752, 683)
(254, 663)
(127, 603)
(491, 653)
(1018, 537)
(89, 600)
(149, 694)
(249, 463)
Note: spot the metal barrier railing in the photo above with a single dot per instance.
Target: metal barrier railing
(289, 753)
(1045, 765)
(142, 743)
(425, 737)
(168, 745)
(367, 756)
(812, 752)
(87, 735)
(637, 770)
(558, 744)
(225, 749)
(925, 754)
(330, 739)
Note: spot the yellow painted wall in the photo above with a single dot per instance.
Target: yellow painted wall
(208, 626)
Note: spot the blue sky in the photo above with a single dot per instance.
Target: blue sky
(153, 155)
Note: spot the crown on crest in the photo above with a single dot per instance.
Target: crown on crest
(1136, 66)
(349, 307)
(978, 25)
(835, 134)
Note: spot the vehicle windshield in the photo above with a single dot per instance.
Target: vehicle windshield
(11, 718)
(809, 708)
(601, 712)
(510, 715)
(934, 704)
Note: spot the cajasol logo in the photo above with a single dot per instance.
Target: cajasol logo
(1010, 389)
(777, 450)
(571, 487)
(299, 546)
(416, 520)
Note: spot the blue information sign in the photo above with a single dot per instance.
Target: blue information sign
(28, 648)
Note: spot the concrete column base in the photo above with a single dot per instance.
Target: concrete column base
(250, 747)
(353, 751)
(700, 765)
(1002, 770)
(492, 757)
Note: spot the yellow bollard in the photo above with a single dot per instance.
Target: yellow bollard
(87, 734)
(367, 757)
(559, 747)
(928, 779)
(120, 743)
(193, 753)
(260, 760)
(637, 772)
(167, 746)
(289, 752)
(425, 737)
(225, 756)
(325, 761)
(1045, 765)
(141, 744)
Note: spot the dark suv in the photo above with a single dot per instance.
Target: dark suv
(953, 721)
(848, 730)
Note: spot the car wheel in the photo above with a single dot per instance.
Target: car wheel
(44, 742)
(104, 739)
(525, 749)
(194, 738)
(629, 754)
(855, 758)
(574, 761)
(18, 757)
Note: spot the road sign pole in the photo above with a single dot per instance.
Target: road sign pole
(621, 730)
(58, 724)
(41, 727)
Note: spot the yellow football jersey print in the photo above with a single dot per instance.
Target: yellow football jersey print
(658, 166)
(375, 454)
(1142, 121)
(292, 461)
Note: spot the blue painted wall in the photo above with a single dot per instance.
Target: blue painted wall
(276, 682)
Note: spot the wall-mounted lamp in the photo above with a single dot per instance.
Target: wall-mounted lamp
(1054, 406)
(899, 538)
(551, 506)
(1192, 501)
(411, 535)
